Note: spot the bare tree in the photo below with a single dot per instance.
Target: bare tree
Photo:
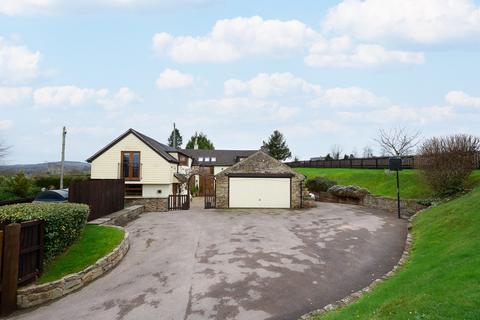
(3, 151)
(398, 141)
(354, 153)
(335, 151)
(367, 152)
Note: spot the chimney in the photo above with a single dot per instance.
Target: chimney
(195, 146)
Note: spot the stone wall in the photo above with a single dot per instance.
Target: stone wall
(37, 294)
(150, 204)
(258, 163)
(407, 207)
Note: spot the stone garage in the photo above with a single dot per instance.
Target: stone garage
(259, 181)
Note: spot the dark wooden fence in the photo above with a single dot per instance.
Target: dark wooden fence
(9, 202)
(103, 196)
(178, 202)
(210, 202)
(21, 256)
(361, 163)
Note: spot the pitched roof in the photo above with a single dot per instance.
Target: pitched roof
(223, 157)
(160, 148)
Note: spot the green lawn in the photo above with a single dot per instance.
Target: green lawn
(379, 183)
(95, 242)
(441, 279)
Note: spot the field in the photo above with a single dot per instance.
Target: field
(380, 182)
(441, 279)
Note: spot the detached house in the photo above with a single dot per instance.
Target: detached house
(153, 170)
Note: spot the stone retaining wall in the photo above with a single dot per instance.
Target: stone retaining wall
(407, 207)
(37, 294)
(150, 204)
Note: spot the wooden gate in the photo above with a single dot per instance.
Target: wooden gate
(178, 202)
(21, 256)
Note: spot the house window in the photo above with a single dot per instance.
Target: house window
(207, 159)
(200, 159)
(133, 190)
(183, 160)
(213, 159)
(131, 165)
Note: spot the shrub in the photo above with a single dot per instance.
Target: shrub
(354, 192)
(320, 184)
(64, 222)
(19, 185)
(49, 181)
(448, 162)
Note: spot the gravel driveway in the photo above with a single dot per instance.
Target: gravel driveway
(241, 264)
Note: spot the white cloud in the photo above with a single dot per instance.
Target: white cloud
(462, 99)
(174, 79)
(11, 96)
(265, 85)
(237, 107)
(232, 39)
(349, 97)
(422, 21)
(67, 96)
(17, 63)
(340, 52)
(5, 124)
(33, 7)
(398, 114)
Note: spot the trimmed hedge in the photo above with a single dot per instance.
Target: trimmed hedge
(319, 184)
(64, 222)
(354, 192)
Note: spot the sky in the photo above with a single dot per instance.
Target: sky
(322, 72)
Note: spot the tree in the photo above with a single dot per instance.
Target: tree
(368, 152)
(328, 157)
(175, 139)
(448, 162)
(336, 150)
(398, 141)
(201, 140)
(277, 146)
(19, 185)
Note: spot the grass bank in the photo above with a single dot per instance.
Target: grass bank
(441, 279)
(380, 183)
(95, 242)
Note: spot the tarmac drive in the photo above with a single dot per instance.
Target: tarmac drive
(238, 264)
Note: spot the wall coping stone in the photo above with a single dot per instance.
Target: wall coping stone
(351, 298)
(122, 217)
(34, 295)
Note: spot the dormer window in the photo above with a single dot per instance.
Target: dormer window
(213, 159)
(200, 159)
(207, 159)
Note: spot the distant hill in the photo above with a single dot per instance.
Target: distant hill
(47, 168)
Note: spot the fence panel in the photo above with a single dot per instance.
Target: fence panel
(360, 163)
(9, 202)
(104, 196)
(178, 202)
(30, 264)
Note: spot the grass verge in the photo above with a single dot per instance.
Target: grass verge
(441, 279)
(95, 242)
(380, 183)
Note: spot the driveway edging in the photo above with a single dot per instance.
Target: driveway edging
(35, 295)
(358, 294)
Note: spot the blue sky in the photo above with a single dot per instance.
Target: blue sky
(322, 72)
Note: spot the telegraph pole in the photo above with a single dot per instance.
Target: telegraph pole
(62, 163)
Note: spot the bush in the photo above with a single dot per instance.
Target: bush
(64, 222)
(448, 162)
(354, 192)
(320, 184)
(19, 185)
(54, 181)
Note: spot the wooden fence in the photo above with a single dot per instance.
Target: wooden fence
(21, 256)
(103, 196)
(9, 202)
(361, 163)
(178, 202)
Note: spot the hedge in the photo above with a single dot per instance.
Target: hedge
(64, 222)
(320, 184)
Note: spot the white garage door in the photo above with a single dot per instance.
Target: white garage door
(259, 193)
